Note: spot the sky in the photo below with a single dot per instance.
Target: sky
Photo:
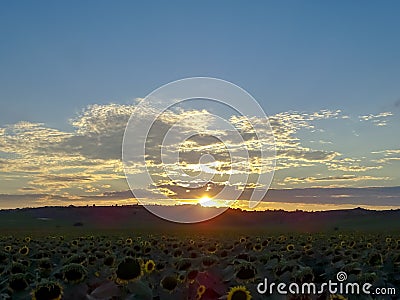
(72, 73)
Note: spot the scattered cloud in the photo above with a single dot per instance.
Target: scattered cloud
(387, 156)
(345, 177)
(380, 119)
(87, 161)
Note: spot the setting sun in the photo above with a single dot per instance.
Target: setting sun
(204, 200)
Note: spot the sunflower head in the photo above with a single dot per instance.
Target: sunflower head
(375, 259)
(18, 282)
(149, 266)
(24, 250)
(257, 247)
(191, 275)
(282, 238)
(290, 247)
(169, 283)
(209, 261)
(238, 293)
(18, 267)
(181, 277)
(246, 272)
(129, 269)
(307, 247)
(109, 260)
(200, 291)
(74, 273)
(48, 290)
(212, 249)
(45, 264)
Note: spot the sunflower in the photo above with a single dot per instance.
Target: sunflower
(257, 247)
(209, 261)
(74, 273)
(3, 257)
(27, 239)
(307, 247)
(375, 259)
(45, 264)
(290, 247)
(46, 291)
(109, 260)
(223, 253)
(181, 277)
(282, 238)
(396, 259)
(18, 267)
(191, 275)
(169, 283)
(7, 248)
(246, 272)
(17, 282)
(24, 250)
(129, 269)
(352, 244)
(212, 249)
(239, 293)
(128, 241)
(149, 266)
(200, 291)
(177, 253)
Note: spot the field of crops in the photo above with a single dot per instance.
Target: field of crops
(150, 266)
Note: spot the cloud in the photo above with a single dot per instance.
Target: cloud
(339, 178)
(86, 161)
(68, 178)
(388, 156)
(380, 119)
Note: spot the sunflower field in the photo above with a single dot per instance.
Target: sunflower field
(160, 266)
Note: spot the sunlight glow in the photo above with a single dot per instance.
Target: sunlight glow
(204, 200)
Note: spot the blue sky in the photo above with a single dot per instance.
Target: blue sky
(57, 58)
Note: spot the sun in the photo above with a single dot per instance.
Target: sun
(204, 200)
